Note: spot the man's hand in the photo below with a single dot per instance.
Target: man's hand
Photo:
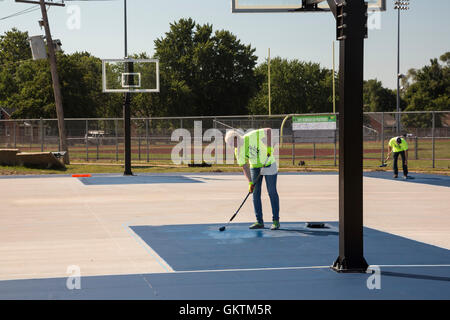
(251, 187)
(388, 156)
(389, 153)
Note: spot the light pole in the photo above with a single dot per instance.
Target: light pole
(399, 5)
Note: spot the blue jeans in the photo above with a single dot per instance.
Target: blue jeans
(271, 184)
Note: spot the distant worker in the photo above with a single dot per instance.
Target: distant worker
(399, 147)
(254, 154)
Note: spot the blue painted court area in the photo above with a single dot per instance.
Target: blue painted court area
(431, 179)
(239, 263)
(290, 284)
(138, 179)
(203, 247)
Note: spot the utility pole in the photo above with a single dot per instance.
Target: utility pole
(399, 5)
(55, 77)
(56, 85)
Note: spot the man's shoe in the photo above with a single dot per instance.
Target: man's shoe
(275, 225)
(395, 176)
(257, 225)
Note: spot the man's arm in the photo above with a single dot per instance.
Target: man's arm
(268, 132)
(406, 151)
(389, 153)
(268, 140)
(246, 169)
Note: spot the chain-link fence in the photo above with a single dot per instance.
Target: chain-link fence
(102, 140)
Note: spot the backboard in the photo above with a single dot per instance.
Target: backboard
(240, 6)
(130, 75)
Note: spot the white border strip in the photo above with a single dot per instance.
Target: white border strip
(308, 268)
(254, 269)
(412, 266)
(149, 249)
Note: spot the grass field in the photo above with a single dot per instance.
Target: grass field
(165, 166)
(156, 158)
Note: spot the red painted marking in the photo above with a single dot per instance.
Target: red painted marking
(81, 176)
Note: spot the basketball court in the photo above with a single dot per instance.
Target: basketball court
(155, 236)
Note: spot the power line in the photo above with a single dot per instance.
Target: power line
(36, 7)
(22, 12)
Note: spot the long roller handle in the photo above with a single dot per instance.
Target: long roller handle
(248, 194)
(234, 215)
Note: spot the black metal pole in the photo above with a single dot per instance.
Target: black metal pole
(397, 115)
(125, 27)
(127, 132)
(382, 137)
(351, 69)
(433, 141)
(126, 106)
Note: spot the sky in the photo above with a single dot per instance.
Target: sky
(98, 27)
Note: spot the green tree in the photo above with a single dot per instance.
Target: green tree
(33, 96)
(14, 50)
(81, 83)
(429, 91)
(445, 58)
(26, 85)
(296, 87)
(31, 91)
(204, 72)
(377, 98)
(14, 47)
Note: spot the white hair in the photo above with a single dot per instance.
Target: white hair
(231, 134)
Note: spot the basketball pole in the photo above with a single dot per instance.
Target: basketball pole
(399, 5)
(351, 29)
(126, 104)
(397, 115)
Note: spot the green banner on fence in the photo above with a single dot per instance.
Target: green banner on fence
(314, 122)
